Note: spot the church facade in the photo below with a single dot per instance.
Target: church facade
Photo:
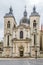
(21, 40)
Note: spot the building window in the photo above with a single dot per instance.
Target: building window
(8, 40)
(41, 43)
(14, 25)
(8, 24)
(21, 34)
(34, 39)
(34, 23)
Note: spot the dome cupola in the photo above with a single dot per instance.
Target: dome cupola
(25, 20)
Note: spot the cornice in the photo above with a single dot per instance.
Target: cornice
(15, 39)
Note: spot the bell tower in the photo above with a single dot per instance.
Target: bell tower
(35, 32)
(9, 22)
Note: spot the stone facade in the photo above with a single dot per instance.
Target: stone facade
(21, 40)
(41, 38)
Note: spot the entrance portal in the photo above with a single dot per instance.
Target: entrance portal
(21, 53)
(21, 49)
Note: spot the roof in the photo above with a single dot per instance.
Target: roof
(34, 13)
(25, 19)
(10, 13)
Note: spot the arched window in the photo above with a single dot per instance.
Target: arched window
(21, 34)
(34, 39)
(8, 24)
(34, 23)
(8, 40)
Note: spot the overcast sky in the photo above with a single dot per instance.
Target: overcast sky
(18, 9)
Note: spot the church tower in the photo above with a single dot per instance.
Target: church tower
(35, 33)
(9, 22)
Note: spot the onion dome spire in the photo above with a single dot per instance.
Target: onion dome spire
(34, 13)
(25, 12)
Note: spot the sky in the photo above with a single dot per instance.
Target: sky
(18, 7)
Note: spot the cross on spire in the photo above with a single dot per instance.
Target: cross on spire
(25, 7)
(11, 11)
(34, 9)
(25, 12)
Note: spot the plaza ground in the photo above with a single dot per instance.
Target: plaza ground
(21, 61)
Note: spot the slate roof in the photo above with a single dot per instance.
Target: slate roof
(34, 13)
(25, 19)
(10, 13)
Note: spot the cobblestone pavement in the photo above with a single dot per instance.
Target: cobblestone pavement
(22, 62)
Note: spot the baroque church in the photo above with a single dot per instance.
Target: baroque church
(21, 40)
